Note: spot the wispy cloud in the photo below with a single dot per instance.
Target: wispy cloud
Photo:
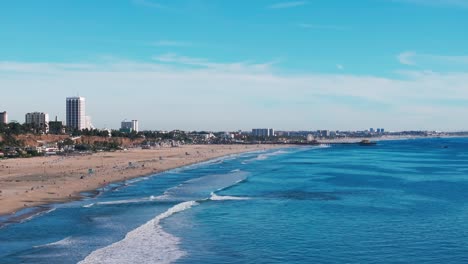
(170, 43)
(417, 59)
(214, 90)
(173, 58)
(340, 67)
(283, 5)
(148, 3)
(440, 3)
(321, 27)
(406, 58)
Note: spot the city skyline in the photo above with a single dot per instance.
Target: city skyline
(291, 65)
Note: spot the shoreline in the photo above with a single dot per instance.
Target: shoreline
(19, 190)
(38, 182)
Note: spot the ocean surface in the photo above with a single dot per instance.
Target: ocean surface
(396, 202)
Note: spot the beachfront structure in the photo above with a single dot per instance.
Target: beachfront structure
(271, 132)
(129, 126)
(76, 117)
(323, 133)
(38, 120)
(263, 132)
(3, 118)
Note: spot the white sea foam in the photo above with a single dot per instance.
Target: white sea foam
(199, 188)
(204, 163)
(137, 180)
(115, 202)
(279, 152)
(40, 213)
(63, 242)
(129, 201)
(148, 243)
(215, 197)
(123, 201)
(265, 156)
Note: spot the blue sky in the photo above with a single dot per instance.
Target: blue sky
(225, 65)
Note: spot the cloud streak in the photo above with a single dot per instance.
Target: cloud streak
(439, 3)
(283, 5)
(173, 58)
(420, 59)
(170, 43)
(149, 3)
(321, 27)
(406, 58)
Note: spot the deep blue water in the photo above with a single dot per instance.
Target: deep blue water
(397, 202)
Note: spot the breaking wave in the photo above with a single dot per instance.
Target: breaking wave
(215, 197)
(148, 243)
(64, 242)
(265, 156)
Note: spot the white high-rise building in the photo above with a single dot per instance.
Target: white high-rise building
(38, 120)
(76, 114)
(130, 125)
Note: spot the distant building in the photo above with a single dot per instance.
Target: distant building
(88, 123)
(282, 133)
(372, 130)
(76, 115)
(38, 120)
(3, 118)
(263, 132)
(207, 136)
(323, 133)
(56, 127)
(228, 135)
(271, 132)
(380, 130)
(310, 138)
(129, 126)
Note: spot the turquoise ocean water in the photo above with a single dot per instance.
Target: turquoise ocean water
(397, 202)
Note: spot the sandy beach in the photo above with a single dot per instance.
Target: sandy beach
(44, 180)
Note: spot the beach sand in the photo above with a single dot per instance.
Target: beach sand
(43, 180)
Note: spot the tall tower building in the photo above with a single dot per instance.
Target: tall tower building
(76, 116)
